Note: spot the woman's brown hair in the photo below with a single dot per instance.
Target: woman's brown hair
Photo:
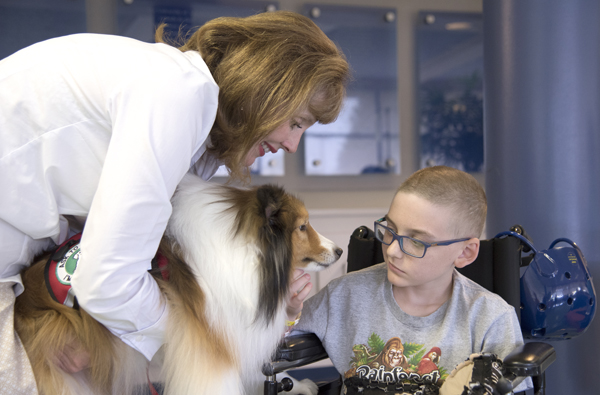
(269, 67)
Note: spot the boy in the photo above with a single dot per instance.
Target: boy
(405, 324)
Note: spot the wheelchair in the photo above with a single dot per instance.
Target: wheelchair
(498, 268)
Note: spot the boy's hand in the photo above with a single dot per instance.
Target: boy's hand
(299, 290)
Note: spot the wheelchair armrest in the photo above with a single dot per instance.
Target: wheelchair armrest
(295, 351)
(530, 359)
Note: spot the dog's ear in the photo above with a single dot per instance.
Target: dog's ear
(276, 246)
(270, 198)
(270, 212)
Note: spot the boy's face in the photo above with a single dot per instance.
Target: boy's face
(411, 215)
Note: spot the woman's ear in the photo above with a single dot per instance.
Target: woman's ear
(469, 253)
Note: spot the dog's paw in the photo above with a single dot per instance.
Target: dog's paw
(303, 387)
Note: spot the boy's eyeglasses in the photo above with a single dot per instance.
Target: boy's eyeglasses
(413, 247)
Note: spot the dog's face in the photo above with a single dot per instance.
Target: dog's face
(277, 223)
(310, 250)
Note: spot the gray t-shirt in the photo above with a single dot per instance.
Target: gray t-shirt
(368, 336)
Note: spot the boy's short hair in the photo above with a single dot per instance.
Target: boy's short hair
(449, 187)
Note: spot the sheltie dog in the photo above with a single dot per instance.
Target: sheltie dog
(231, 255)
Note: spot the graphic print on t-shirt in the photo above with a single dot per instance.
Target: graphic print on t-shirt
(395, 363)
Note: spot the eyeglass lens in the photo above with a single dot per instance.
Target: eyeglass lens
(408, 245)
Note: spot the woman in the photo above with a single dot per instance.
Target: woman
(101, 129)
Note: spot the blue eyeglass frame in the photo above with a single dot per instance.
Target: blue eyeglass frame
(401, 238)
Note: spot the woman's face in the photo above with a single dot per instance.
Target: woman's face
(286, 136)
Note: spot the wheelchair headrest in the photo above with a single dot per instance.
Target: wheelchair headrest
(558, 300)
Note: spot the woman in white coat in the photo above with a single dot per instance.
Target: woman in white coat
(100, 129)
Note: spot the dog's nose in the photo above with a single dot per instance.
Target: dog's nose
(339, 252)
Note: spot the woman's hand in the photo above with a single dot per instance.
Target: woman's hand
(299, 290)
(73, 358)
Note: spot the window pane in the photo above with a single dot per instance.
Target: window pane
(364, 139)
(26, 22)
(450, 67)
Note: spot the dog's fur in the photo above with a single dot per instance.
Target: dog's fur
(231, 256)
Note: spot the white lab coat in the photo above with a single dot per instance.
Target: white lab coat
(101, 127)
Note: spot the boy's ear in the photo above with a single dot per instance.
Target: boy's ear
(469, 253)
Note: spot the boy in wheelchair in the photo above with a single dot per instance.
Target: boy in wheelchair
(404, 325)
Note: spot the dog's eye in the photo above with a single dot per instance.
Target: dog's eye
(303, 228)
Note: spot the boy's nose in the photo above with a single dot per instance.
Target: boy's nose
(394, 249)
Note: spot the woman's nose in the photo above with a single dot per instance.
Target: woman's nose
(291, 144)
